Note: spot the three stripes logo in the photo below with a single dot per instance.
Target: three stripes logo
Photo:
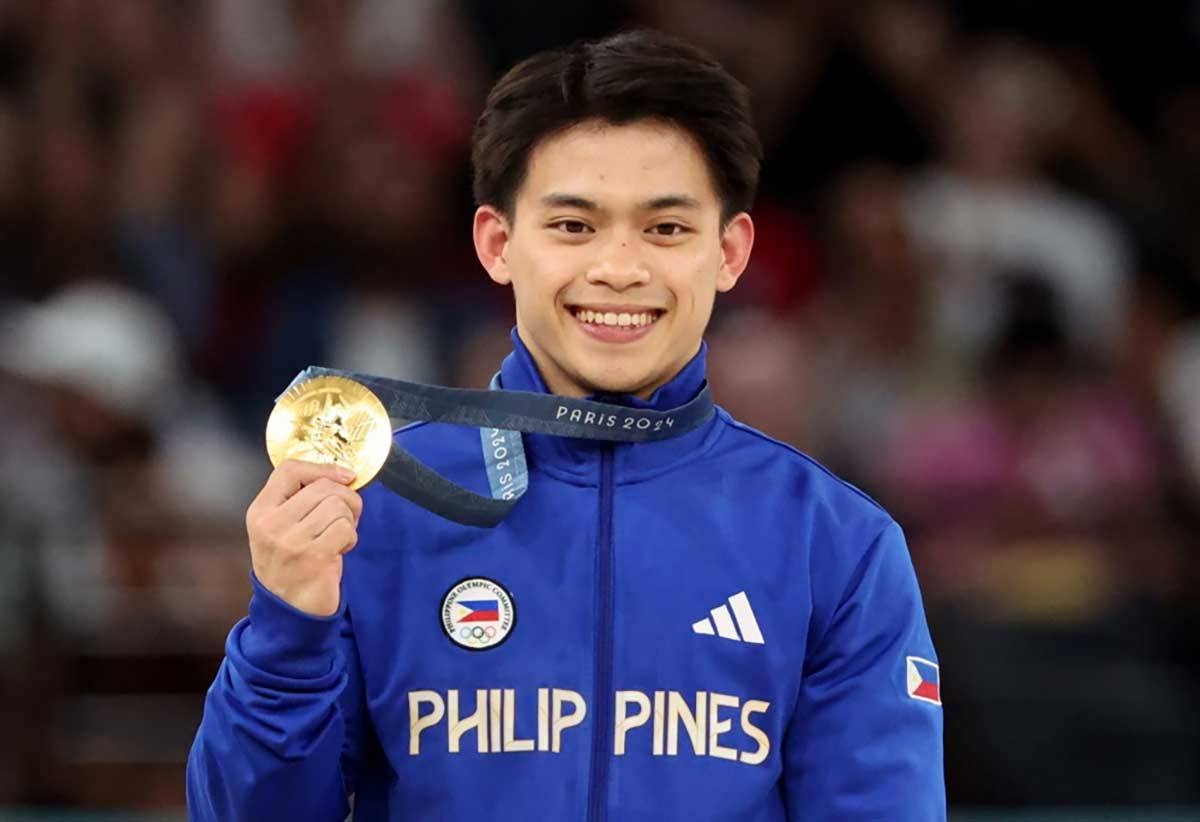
(723, 617)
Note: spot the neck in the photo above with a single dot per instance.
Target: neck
(566, 387)
(524, 370)
(560, 383)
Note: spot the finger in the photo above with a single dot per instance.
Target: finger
(293, 475)
(338, 538)
(329, 511)
(306, 500)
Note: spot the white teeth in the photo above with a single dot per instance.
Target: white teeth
(623, 319)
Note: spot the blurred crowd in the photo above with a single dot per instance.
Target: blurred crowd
(975, 293)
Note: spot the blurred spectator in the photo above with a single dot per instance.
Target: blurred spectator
(989, 208)
(866, 349)
(116, 466)
(270, 39)
(1045, 446)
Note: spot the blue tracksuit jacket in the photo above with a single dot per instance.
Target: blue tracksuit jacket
(710, 627)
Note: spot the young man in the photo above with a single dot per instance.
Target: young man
(703, 627)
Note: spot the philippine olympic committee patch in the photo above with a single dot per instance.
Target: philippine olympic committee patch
(478, 613)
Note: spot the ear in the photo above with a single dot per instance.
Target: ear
(491, 231)
(737, 238)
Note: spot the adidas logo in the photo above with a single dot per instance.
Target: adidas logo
(739, 603)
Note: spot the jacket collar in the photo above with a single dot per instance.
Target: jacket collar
(579, 458)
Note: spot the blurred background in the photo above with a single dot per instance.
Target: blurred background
(975, 294)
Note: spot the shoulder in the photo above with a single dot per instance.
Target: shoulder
(838, 532)
(774, 461)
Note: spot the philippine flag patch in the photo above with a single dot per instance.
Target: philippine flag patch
(478, 613)
(479, 610)
(924, 682)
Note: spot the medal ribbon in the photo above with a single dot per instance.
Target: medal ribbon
(502, 416)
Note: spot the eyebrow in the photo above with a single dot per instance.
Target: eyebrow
(561, 200)
(672, 201)
(557, 200)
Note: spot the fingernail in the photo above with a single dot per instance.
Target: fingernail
(345, 474)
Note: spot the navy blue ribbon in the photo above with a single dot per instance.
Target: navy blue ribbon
(501, 416)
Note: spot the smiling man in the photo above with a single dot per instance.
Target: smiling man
(703, 627)
(615, 245)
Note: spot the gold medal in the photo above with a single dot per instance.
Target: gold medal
(331, 419)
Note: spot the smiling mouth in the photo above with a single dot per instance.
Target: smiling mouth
(616, 319)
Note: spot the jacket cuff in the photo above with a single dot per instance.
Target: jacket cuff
(282, 640)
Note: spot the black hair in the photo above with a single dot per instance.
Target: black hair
(632, 76)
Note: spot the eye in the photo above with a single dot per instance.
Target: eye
(668, 229)
(571, 226)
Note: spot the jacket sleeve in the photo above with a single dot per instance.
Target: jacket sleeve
(858, 746)
(283, 730)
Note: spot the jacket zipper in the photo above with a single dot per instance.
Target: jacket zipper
(603, 663)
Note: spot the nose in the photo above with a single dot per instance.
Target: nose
(619, 266)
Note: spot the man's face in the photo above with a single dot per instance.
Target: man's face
(615, 255)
